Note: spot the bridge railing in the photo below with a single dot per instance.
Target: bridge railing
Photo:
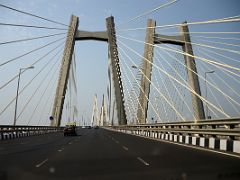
(224, 128)
(11, 132)
(221, 134)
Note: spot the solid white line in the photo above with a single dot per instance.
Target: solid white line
(125, 148)
(40, 164)
(142, 161)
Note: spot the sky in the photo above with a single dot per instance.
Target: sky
(91, 56)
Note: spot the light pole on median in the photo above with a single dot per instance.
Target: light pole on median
(15, 112)
(205, 78)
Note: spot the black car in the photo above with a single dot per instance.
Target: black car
(70, 130)
(96, 127)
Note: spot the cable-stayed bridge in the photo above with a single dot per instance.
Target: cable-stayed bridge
(170, 110)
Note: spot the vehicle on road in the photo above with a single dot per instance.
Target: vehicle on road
(96, 127)
(70, 130)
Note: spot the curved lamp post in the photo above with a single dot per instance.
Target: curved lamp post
(15, 112)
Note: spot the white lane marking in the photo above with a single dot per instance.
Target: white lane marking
(40, 164)
(24, 143)
(52, 170)
(60, 150)
(125, 148)
(142, 161)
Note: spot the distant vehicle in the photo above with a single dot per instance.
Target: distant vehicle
(70, 130)
(96, 127)
(89, 127)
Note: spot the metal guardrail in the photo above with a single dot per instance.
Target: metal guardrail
(11, 132)
(224, 128)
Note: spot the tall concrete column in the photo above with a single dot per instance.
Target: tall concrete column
(64, 72)
(116, 72)
(147, 70)
(192, 74)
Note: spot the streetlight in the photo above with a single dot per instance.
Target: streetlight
(15, 113)
(205, 77)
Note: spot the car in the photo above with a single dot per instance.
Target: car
(96, 127)
(70, 130)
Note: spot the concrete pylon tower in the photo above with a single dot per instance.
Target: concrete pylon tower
(116, 71)
(147, 72)
(197, 103)
(103, 118)
(182, 40)
(109, 36)
(64, 73)
(95, 119)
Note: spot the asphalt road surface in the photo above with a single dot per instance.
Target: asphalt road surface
(106, 155)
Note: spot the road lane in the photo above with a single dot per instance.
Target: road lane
(179, 161)
(94, 156)
(21, 155)
(103, 154)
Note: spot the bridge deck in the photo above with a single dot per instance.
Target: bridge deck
(103, 154)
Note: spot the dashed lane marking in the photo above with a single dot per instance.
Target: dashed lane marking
(40, 164)
(125, 148)
(142, 161)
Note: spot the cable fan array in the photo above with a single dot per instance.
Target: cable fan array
(216, 52)
(43, 50)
